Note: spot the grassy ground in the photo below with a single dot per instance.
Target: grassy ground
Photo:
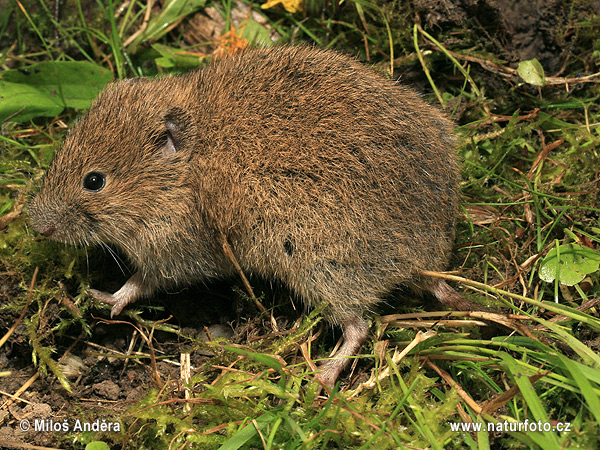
(527, 241)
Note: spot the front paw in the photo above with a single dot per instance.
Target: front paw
(109, 299)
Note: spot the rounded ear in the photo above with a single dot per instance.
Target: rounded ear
(180, 130)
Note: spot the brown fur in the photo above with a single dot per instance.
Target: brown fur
(320, 172)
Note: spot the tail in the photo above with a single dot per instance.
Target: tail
(449, 297)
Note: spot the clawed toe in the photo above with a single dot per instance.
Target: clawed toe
(103, 297)
(109, 299)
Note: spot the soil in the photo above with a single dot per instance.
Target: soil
(517, 30)
(104, 383)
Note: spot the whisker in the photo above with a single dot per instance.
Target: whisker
(116, 257)
(87, 260)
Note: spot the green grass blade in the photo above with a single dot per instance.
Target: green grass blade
(545, 440)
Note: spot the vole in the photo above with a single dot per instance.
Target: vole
(316, 170)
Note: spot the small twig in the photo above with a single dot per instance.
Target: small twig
(461, 392)
(507, 71)
(129, 350)
(230, 255)
(185, 374)
(306, 356)
(365, 420)
(542, 155)
(436, 323)
(500, 400)
(272, 335)
(153, 358)
(227, 369)
(11, 331)
(14, 397)
(546, 305)
(16, 324)
(259, 431)
(133, 37)
(22, 389)
(499, 118)
(9, 217)
(148, 340)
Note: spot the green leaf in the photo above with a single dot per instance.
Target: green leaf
(585, 385)
(171, 12)
(569, 263)
(546, 440)
(547, 122)
(267, 360)
(248, 432)
(45, 89)
(256, 33)
(97, 445)
(172, 57)
(532, 72)
(20, 102)
(588, 355)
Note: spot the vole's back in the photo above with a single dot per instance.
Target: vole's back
(345, 183)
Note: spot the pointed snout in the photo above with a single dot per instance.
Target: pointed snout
(40, 222)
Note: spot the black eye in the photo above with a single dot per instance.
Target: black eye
(94, 181)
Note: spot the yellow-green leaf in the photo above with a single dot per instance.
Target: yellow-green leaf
(532, 72)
